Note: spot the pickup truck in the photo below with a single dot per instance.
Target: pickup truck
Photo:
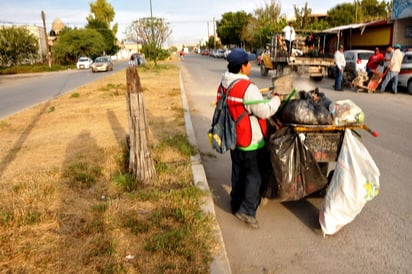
(301, 59)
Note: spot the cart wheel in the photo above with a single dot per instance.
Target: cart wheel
(324, 168)
(330, 175)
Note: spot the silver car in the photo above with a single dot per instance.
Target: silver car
(405, 75)
(356, 60)
(102, 63)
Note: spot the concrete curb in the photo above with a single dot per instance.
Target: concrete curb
(220, 263)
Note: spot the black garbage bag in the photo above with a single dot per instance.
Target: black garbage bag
(304, 110)
(297, 174)
(299, 111)
(322, 114)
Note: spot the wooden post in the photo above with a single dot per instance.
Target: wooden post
(141, 164)
(43, 17)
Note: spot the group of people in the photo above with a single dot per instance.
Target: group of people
(391, 62)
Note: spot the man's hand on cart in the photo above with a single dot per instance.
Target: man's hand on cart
(281, 96)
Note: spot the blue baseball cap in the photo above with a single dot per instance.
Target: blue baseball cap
(397, 46)
(238, 56)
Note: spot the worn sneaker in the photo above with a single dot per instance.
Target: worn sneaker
(249, 220)
(263, 201)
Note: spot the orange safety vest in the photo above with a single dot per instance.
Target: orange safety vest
(237, 109)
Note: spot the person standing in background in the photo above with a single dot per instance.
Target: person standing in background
(373, 62)
(340, 66)
(388, 57)
(289, 35)
(394, 69)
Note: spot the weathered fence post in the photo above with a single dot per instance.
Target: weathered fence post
(141, 164)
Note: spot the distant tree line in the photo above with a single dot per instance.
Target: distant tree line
(254, 30)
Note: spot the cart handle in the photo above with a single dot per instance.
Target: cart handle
(304, 128)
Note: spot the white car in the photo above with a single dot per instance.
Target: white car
(405, 76)
(356, 60)
(84, 63)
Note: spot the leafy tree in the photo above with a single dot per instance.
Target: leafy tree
(74, 43)
(302, 17)
(104, 12)
(109, 39)
(342, 14)
(268, 20)
(210, 42)
(318, 24)
(152, 32)
(230, 28)
(17, 45)
(101, 15)
(372, 10)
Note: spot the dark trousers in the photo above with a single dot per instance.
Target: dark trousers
(289, 45)
(248, 170)
(338, 79)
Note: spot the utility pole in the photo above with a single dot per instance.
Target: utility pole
(214, 33)
(208, 33)
(43, 17)
(151, 18)
(356, 11)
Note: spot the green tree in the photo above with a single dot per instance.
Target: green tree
(109, 39)
(372, 10)
(318, 24)
(17, 45)
(230, 28)
(101, 15)
(104, 12)
(73, 43)
(152, 32)
(302, 17)
(268, 20)
(342, 14)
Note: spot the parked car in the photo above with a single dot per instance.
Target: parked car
(356, 60)
(405, 76)
(205, 52)
(84, 63)
(226, 53)
(102, 63)
(213, 53)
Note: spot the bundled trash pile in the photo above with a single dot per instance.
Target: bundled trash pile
(314, 108)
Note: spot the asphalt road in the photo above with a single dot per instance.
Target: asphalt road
(18, 92)
(290, 238)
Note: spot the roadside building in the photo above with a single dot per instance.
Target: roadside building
(381, 33)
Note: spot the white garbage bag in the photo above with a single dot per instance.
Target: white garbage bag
(355, 182)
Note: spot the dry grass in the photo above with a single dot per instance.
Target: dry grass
(68, 206)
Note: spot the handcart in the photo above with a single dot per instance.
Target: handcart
(300, 158)
(325, 141)
(359, 81)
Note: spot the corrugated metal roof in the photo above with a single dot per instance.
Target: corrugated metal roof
(356, 26)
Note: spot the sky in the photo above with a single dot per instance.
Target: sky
(191, 21)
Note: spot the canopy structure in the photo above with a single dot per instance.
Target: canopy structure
(361, 26)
